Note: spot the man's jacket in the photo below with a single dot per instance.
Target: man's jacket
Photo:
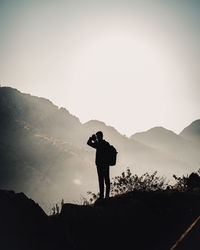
(101, 151)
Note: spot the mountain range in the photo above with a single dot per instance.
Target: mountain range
(43, 150)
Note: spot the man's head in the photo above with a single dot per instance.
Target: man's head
(99, 135)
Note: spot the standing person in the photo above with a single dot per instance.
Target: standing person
(96, 141)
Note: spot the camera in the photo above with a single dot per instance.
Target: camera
(94, 137)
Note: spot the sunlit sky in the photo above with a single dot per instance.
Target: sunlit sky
(131, 64)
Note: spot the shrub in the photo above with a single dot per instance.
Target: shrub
(128, 182)
(181, 183)
(55, 210)
(188, 183)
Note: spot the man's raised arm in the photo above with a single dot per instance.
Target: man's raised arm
(92, 143)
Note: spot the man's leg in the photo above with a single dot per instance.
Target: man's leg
(101, 181)
(107, 180)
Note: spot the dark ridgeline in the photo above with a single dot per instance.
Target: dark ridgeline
(24, 225)
(136, 220)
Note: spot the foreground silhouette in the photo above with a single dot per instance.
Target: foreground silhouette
(136, 220)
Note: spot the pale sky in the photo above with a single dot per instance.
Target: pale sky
(131, 64)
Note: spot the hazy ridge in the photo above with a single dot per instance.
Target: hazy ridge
(43, 149)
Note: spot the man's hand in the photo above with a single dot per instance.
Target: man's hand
(94, 137)
(92, 142)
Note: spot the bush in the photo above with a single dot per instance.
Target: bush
(56, 210)
(181, 183)
(128, 182)
(188, 183)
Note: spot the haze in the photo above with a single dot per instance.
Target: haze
(131, 64)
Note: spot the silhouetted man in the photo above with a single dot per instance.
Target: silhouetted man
(103, 168)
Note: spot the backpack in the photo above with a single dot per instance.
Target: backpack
(112, 155)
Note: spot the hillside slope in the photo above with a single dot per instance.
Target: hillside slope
(177, 146)
(37, 155)
(192, 132)
(43, 150)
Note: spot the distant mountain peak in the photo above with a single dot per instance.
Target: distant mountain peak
(195, 124)
(99, 125)
(192, 132)
(94, 122)
(159, 130)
